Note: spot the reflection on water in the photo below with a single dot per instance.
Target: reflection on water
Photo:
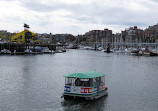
(36, 82)
(80, 105)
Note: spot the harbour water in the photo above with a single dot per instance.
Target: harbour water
(36, 82)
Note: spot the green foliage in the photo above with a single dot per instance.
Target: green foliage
(5, 36)
(70, 37)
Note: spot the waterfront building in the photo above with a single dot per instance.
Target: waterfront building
(61, 38)
(64, 38)
(151, 34)
(118, 38)
(45, 38)
(107, 36)
(132, 35)
(25, 36)
(98, 37)
(80, 39)
(56, 38)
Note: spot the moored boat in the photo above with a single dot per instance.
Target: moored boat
(146, 51)
(87, 85)
(5, 51)
(153, 53)
(47, 51)
(59, 49)
(28, 51)
(135, 51)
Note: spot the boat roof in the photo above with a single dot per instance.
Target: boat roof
(85, 75)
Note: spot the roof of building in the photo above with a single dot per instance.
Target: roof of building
(85, 75)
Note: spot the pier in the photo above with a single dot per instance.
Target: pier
(20, 48)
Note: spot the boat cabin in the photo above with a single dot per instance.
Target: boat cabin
(88, 85)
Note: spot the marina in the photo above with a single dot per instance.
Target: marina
(141, 49)
(36, 82)
(21, 49)
(77, 55)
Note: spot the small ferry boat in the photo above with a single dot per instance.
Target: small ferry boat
(87, 85)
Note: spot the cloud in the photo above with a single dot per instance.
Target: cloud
(154, 1)
(77, 16)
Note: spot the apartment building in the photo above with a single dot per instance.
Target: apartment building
(150, 34)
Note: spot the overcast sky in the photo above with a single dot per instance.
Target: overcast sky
(77, 16)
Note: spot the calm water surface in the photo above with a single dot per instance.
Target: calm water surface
(36, 82)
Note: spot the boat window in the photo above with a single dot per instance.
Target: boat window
(73, 81)
(86, 82)
(84, 79)
(98, 81)
(94, 82)
(102, 79)
(68, 81)
(78, 82)
(83, 82)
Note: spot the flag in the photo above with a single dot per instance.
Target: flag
(26, 25)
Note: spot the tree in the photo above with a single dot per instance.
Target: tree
(70, 37)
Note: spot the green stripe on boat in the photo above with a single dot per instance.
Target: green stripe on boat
(80, 94)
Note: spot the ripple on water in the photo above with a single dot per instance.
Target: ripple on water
(36, 83)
